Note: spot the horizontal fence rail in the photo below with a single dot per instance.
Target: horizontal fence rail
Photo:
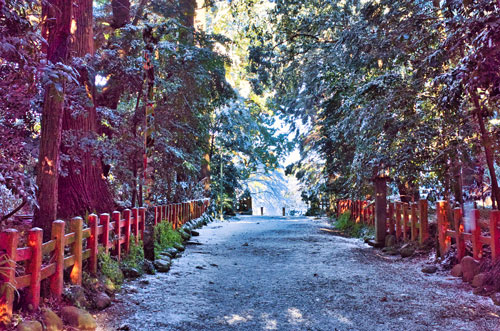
(410, 221)
(68, 248)
(471, 233)
(406, 221)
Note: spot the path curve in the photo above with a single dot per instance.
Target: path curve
(277, 273)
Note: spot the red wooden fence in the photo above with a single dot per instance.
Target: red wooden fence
(48, 260)
(474, 235)
(405, 221)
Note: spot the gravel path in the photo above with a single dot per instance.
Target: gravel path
(276, 273)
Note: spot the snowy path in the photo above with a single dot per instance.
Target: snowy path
(273, 273)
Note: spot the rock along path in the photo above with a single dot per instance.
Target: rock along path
(277, 273)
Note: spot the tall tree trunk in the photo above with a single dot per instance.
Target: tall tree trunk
(488, 148)
(58, 27)
(84, 189)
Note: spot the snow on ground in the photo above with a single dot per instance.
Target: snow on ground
(284, 273)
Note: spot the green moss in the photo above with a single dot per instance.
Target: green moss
(110, 268)
(135, 257)
(165, 237)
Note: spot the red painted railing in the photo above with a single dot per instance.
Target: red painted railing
(404, 221)
(460, 235)
(48, 260)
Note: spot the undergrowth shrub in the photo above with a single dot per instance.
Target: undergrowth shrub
(135, 257)
(110, 268)
(165, 237)
(345, 224)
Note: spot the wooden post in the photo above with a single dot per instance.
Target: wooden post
(104, 221)
(142, 225)
(8, 243)
(284, 211)
(76, 225)
(261, 211)
(135, 224)
(380, 209)
(477, 246)
(35, 239)
(414, 221)
(391, 218)
(405, 221)
(424, 220)
(174, 215)
(398, 221)
(495, 234)
(444, 240)
(459, 229)
(92, 243)
(126, 231)
(57, 279)
(118, 232)
(157, 214)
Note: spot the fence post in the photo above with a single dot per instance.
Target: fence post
(76, 225)
(135, 224)
(459, 229)
(477, 247)
(142, 224)
(117, 219)
(495, 234)
(35, 236)
(57, 279)
(398, 221)
(444, 240)
(104, 221)
(157, 208)
(405, 221)
(92, 243)
(414, 220)
(261, 211)
(8, 242)
(424, 221)
(391, 217)
(126, 230)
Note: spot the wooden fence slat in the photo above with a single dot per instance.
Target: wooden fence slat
(92, 244)
(76, 226)
(459, 229)
(391, 218)
(495, 234)
(135, 224)
(142, 224)
(398, 221)
(126, 229)
(442, 219)
(8, 242)
(57, 279)
(117, 219)
(157, 214)
(405, 221)
(477, 247)
(424, 221)
(414, 221)
(104, 221)
(35, 239)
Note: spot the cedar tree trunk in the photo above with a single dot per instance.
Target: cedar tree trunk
(58, 25)
(488, 149)
(84, 189)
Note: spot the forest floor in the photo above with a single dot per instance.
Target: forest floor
(284, 273)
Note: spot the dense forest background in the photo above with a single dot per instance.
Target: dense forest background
(116, 103)
(406, 90)
(109, 104)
